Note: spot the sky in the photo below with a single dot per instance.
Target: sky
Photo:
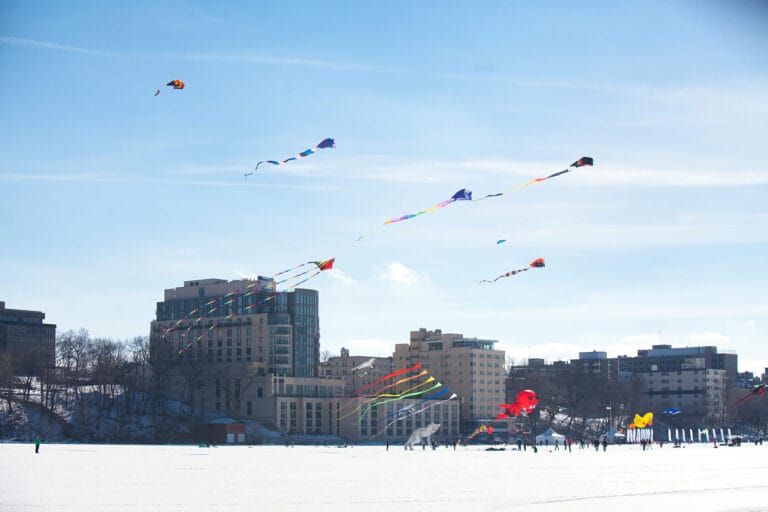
(110, 195)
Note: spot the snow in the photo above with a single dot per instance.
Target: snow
(316, 478)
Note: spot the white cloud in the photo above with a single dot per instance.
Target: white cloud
(338, 275)
(400, 274)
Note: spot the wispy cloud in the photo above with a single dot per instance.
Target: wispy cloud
(510, 173)
(399, 274)
(214, 57)
(339, 275)
(98, 177)
(283, 61)
(340, 66)
(20, 41)
(712, 104)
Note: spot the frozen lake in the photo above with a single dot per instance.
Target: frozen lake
(368, 478)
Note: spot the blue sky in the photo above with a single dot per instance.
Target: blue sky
(109, 195)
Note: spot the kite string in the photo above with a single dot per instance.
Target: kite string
(454, 395)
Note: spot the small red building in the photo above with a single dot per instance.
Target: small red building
(226, 431)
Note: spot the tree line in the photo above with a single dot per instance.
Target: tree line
(100, 389)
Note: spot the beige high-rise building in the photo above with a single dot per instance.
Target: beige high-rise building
(469, 367)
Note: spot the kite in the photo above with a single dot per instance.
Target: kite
(433, 404)
(671, 411)
(646, 420)
(391, 397)
(251, 288)
(385, 378)
(405, 394)
(537, 263)
(232, 297)
(416, 404)
(367, 364)
(482, 428)
(758, 390)
(380, 393)
(581, 162)
(461, 195)
(499, 242)
(421, 435)
(466, 195)
(526, 402)
(176, 84)
(326, 143)
(320, 266)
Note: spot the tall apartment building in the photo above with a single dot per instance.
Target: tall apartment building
(220, 321)
(470, 367)
(241, 348)
(23, 331)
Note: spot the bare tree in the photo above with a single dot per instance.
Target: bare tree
(74, 358)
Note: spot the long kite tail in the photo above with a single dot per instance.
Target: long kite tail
(537, 263)
(489, 195)
(385, 378)
(441, 204)
(391, 397)
(508, 274)
(453, 395)
(324, 144)
(511, 273)
(375, 395)
(759, 390)
(366, 405)
(292, 268)
(581, 162)
(461, 195)
(305, 280)
(409, 409)
(294, 276)
(364, 413)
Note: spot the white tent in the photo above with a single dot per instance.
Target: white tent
(549, 437)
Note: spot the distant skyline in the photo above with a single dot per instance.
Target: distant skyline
(110, 195)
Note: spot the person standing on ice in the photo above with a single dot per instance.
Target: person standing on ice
(37, 444)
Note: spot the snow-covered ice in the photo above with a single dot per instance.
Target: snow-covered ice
(114, 478)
